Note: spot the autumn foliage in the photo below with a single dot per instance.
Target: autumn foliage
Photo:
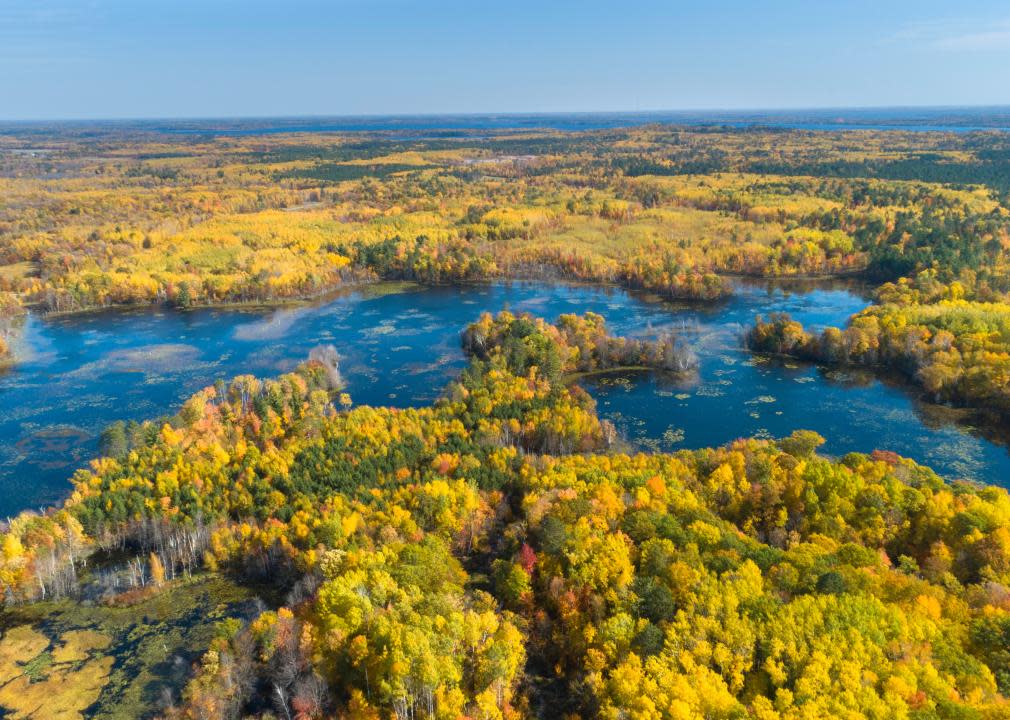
(495, 555)
(490, 557)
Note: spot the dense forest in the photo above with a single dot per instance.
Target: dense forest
(503, 553)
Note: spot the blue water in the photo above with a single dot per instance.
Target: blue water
(940, 119)
(957, 120)
(400, 346)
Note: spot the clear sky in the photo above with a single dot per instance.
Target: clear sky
(215, 58)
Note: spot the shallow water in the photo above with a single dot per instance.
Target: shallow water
(401, 348)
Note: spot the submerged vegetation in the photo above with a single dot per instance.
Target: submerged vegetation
(65, 659)
(491, 556)
(497, 555)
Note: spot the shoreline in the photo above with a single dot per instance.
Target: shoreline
(13, 361)
(394, 287)
(351, 286)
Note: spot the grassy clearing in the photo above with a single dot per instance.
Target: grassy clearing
(18, 271)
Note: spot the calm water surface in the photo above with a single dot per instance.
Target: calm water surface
(951, 119)
(400, 348)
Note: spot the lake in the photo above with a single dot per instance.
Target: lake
(399, 345)
(938, 119)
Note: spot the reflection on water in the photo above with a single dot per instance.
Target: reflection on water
(771, 400)
(400, 345)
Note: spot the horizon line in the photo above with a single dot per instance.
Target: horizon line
(507, 113)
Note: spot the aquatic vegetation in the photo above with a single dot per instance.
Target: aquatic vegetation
(495, 554)
(60, 683)
(674, 436)
(68, 660)
(273, 327)
(164, 358)
(462, 557)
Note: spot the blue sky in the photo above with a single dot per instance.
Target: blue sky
(214, 58)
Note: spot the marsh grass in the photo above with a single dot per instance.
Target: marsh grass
(68, 660)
